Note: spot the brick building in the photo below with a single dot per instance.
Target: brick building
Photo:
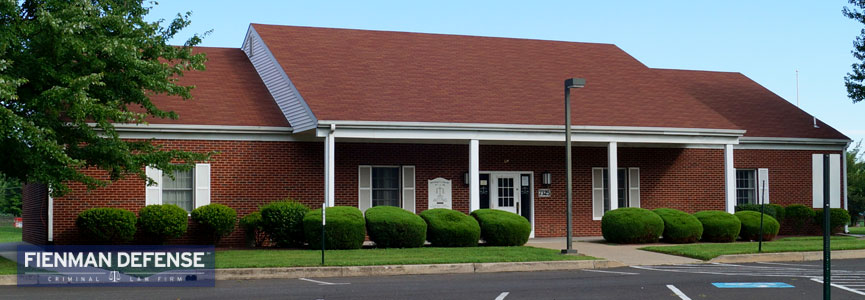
(366, 118)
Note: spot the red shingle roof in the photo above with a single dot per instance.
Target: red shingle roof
(228, 92)
(394, 76)
(749, 105)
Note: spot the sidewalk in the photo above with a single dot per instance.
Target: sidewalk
(626, 254)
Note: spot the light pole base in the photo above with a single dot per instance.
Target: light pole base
(569, 252)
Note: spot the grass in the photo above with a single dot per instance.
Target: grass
(856, 230)
(707, 251)
(367, 257)
(10, 234)
(7, 267)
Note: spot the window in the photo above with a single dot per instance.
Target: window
(178, 191)
(189, 189)
(746, 187)
(385, 186)
(628, 190)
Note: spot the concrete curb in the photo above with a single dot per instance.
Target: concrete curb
(8, 279)
(787, 256)
(393, 270)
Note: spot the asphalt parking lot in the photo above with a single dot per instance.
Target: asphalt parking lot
(693, 281)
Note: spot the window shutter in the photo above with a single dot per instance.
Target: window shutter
(153, 193)
(834, 180)
(817, 180)
(364, 187)
(202, 185)
(408, 190)
(763, 185)
(634, 187)
(597, 193)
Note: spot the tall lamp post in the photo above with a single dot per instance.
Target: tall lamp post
(569, 84)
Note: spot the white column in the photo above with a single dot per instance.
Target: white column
(613, 179)
(729, 179)
(50, 216)
(474, 176)
(329, 162)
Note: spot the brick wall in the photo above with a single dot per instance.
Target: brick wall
(247, 174)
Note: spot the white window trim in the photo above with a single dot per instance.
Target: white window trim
(756, 184)
(403, 189)
(627, 189)
(201, 186)
(758, 188)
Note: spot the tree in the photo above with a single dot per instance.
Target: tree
(856, 181)
(10, 197)
(69, 69)
(855, 80)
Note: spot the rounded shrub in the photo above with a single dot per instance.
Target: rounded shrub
(394, 227)
(107, 225)
(283, 222)
(162, 222)
(215, 219)
(344, 228)
(502, 228)
(838, 217)
(252, 225)
(719, 226)
(751, 226)
(679, 226)
(451, 228)
(631, 225)
(780, 212)
(769, 209)
(798, 216)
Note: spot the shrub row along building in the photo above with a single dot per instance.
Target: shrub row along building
(368, 118)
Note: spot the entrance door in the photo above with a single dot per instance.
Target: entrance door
(505, 192)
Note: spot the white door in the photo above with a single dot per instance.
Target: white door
(505, 192)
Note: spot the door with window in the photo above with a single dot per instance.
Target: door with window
(505, 192)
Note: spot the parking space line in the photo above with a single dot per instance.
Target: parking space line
(612, 272)
(502, 296)
(840, 287)
(323, 282)
(678, 292)
(784, 264)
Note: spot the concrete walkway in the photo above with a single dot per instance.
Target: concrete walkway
(626, 254)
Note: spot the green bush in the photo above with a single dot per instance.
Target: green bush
(283, 222)
(106, 225)
(838, 217)
(344, 228)
(780, 212)
(679, 226)
(502, 228)
(451, 228)
(163, 222)
(252, 225)
(798, 216)
(216, 219)
(719, 226)
(751, 226)
(394, 227)
(769, 209)
(631, 225)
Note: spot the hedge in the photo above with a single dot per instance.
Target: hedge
(751, 226)
(394, 227)
(344, 228)
(679, 226)
(502, 228)
(107, 225)
(252, 224)
(630, 225)
(283, 222)
(838, 217)
(215, 219)
(780, 212)
(451, 228)
(719, 226)
(162, 222)
(798, 216)
(769, 209)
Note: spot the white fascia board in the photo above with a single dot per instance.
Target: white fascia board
(525, 133)
(783, 143)
(207, 132)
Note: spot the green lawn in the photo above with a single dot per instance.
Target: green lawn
(365, 257)
(707, 251)
(10, 234)
(7, 267)
(857, 230)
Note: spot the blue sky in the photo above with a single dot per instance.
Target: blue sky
(765, 40)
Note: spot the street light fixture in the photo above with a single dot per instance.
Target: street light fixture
(569, 84)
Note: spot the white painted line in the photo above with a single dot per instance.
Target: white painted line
(322, 282)
(612, 272)
(678, 292)
(841, 287)
(795, 265)
(502, 296)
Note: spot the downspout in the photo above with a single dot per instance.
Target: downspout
(50, 217)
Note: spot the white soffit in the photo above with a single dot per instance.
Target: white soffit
(286, 95)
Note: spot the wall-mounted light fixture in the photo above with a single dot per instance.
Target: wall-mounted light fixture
(547, 178)
(466, 178)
